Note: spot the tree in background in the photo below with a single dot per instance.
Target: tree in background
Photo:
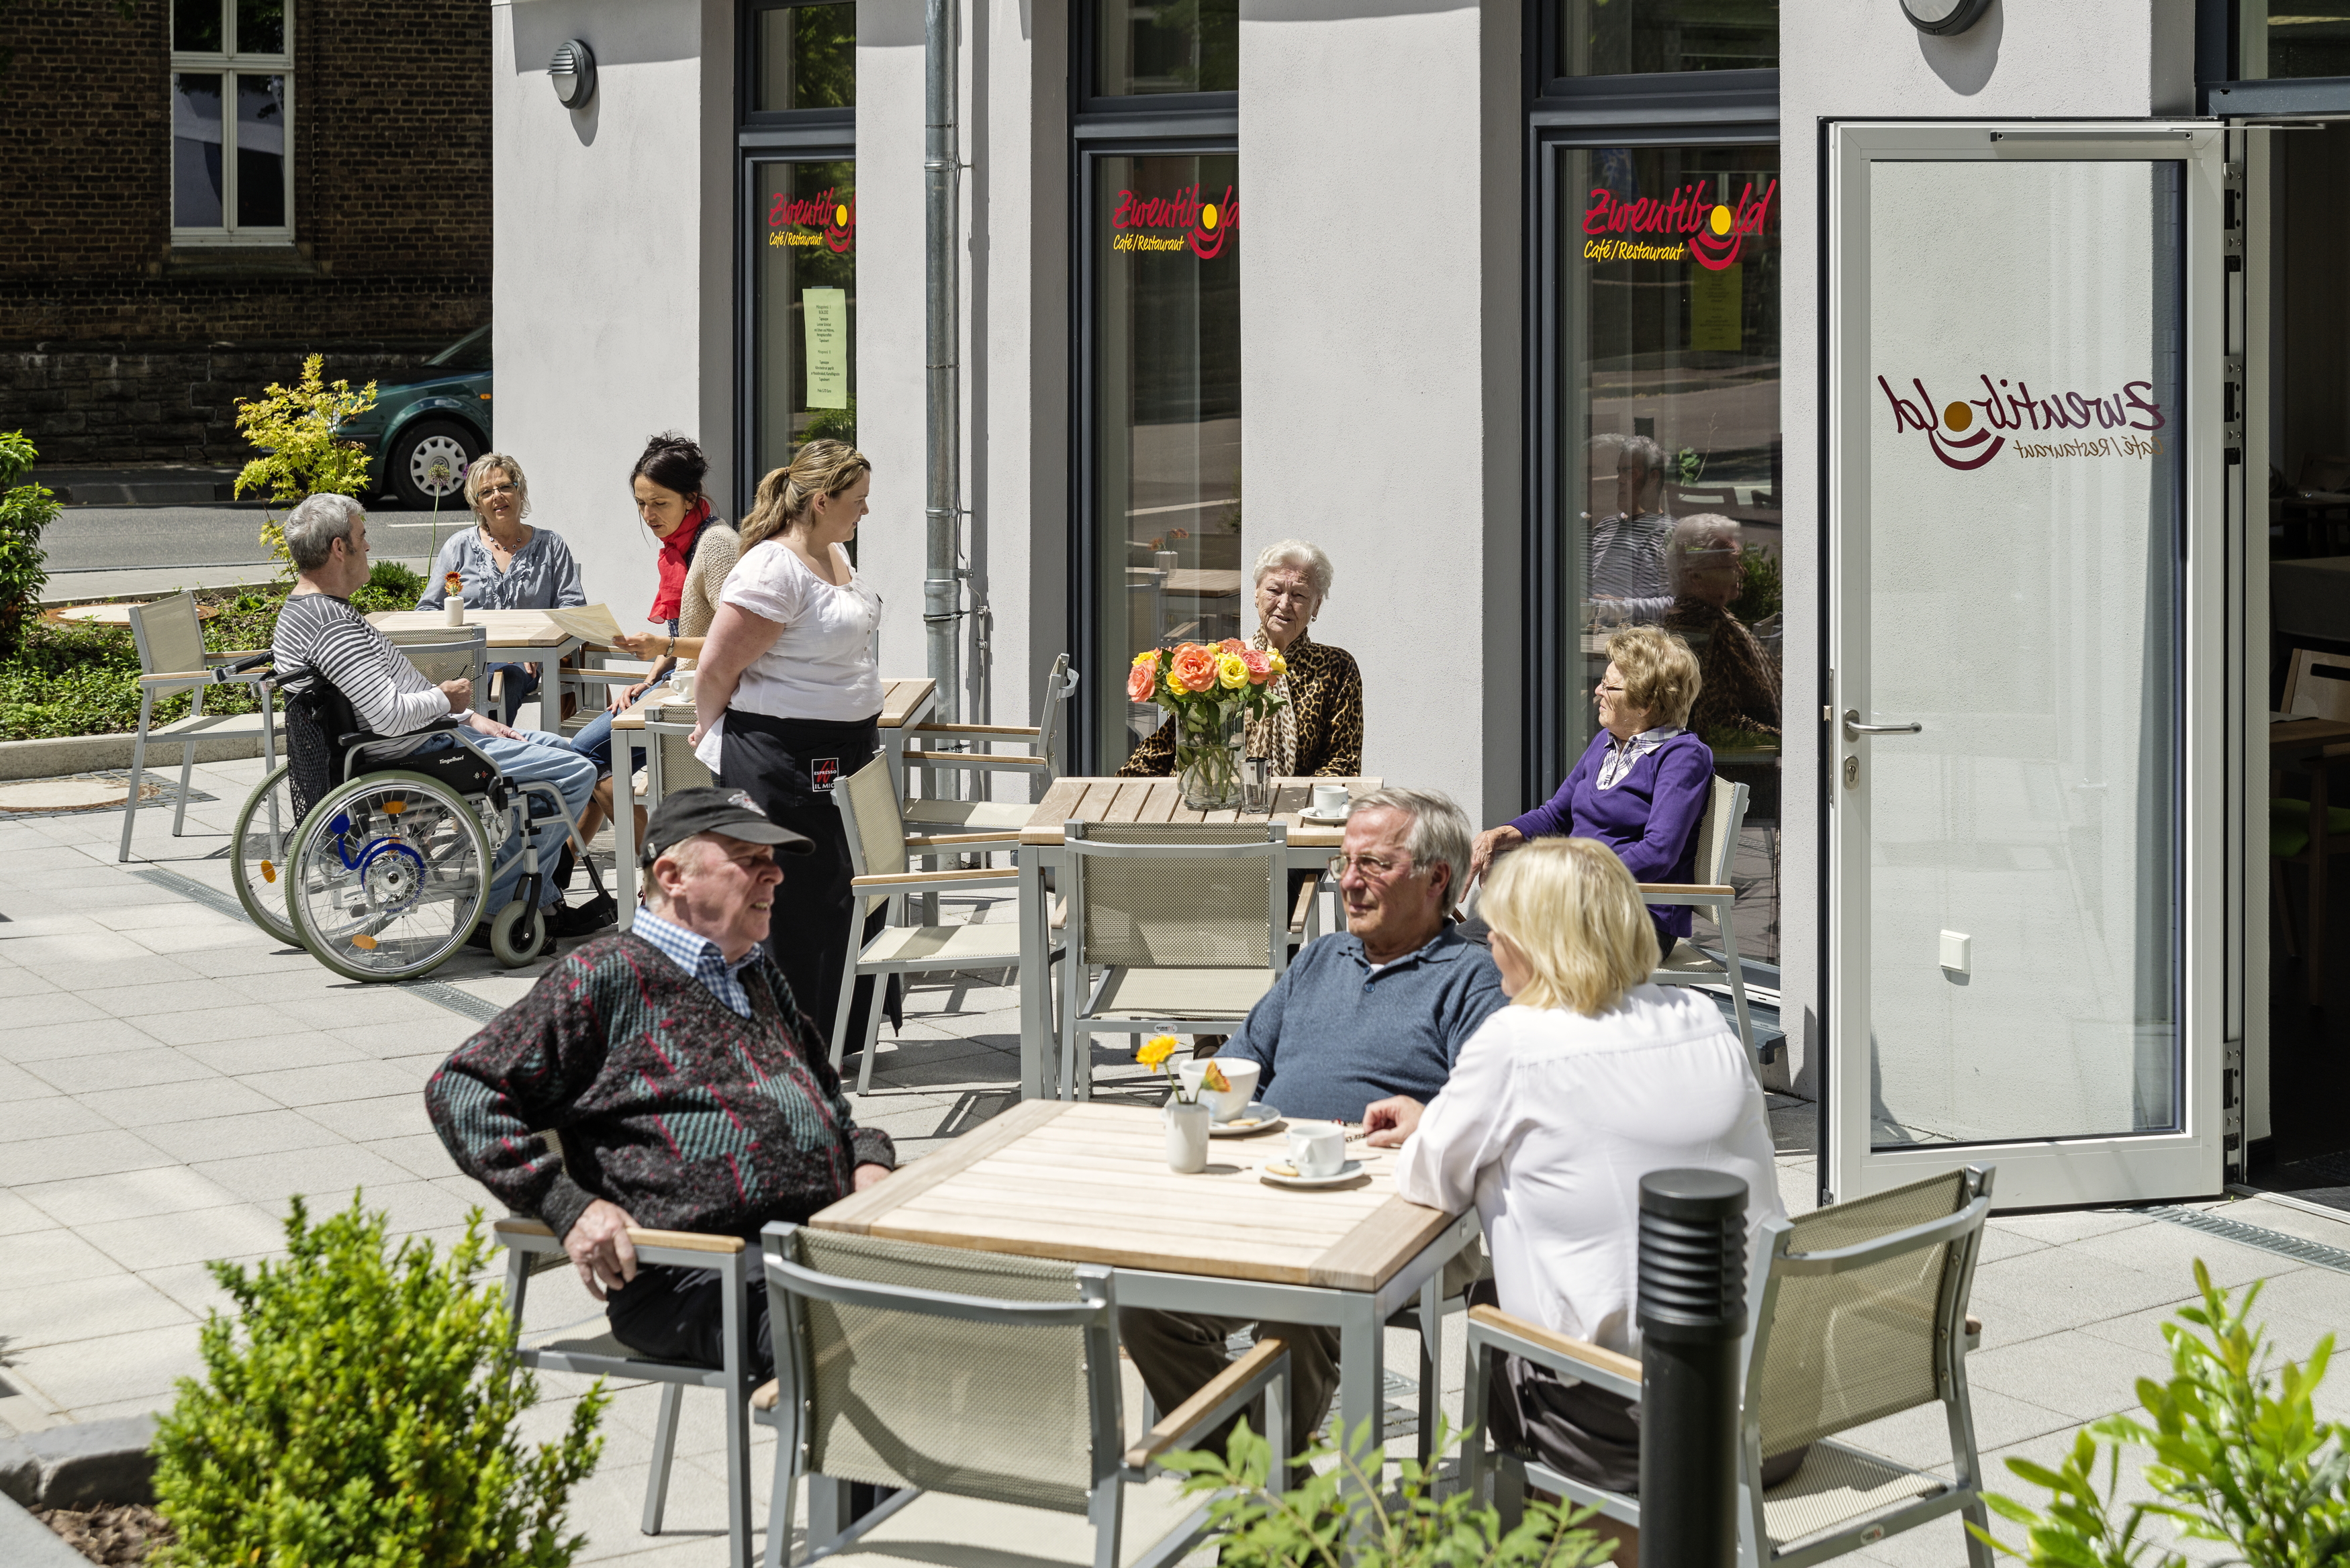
(26, 509)
(293, 428)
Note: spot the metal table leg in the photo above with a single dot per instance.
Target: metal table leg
(1036, 973)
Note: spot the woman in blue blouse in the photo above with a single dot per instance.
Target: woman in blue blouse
(1641, 788)
(506, 565)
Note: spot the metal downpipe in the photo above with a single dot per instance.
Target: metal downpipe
(942, 282)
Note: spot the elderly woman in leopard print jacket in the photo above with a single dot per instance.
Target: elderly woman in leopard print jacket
(1319, 731)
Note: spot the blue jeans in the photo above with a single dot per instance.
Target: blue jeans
(535, 757)
(518, 688)
(594, 741)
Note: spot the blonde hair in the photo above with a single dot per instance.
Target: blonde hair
(1573, 910)
(821, 468)
(1660, 674)
(477, 474)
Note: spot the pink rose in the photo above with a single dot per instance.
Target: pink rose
(1139, 679)
(1260, 665)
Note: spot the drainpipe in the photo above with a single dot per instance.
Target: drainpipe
(943, 173)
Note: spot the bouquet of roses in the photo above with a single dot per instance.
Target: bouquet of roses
(1209, 689)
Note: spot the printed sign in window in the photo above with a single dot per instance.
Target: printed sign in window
(826, 312)
(1717, 309)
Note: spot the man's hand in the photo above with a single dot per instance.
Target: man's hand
(1493, 841)
(484, 724)
(1392, 1120)
(460, 693)
(598, 1245)
(868, 1174)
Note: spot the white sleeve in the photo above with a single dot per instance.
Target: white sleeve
(765, 583)
(1463, 1130)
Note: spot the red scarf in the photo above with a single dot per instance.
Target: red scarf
(676, 555)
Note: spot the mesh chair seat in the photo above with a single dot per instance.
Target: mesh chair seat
(1687, 959)
(1203, 994)
(938, 1530)
(1836, 1484)
(969, 815)
(932, 947)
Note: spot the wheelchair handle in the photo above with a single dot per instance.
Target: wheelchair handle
(223, 673)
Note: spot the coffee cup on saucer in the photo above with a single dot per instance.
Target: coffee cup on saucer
(1330, 800)
(1317, 1149)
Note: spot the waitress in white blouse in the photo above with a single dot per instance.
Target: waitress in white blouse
(788, 697)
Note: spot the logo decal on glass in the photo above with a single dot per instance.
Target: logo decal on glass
(827, 219)
(1695, 226)
(2011, 405)
(1200, 227)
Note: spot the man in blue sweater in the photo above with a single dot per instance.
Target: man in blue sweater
(1382, 1008)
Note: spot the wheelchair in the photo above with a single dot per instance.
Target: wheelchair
(376, 853)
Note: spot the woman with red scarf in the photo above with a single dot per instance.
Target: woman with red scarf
(697, 550)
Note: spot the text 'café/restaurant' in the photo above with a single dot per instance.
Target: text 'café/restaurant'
(1969, 385)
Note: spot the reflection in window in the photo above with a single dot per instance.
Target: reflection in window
(2292, 38)
(1622, 37)
(261, 151)
(1166, 502)
(196, 150)
(260, 27)
(803, 307)
(229, 138)
(1671, 454)
(196, 27)
(1174, 45)
(806, 58)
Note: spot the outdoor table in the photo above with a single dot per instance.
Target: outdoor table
(904, 703)
(1128, 800)
(1085, 1183)
(524, 635)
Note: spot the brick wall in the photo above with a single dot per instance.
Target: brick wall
(114, 348)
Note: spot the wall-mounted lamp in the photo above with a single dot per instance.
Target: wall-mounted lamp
(573, 72)
(1943, 17)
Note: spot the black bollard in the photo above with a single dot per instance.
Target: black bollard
(1693, 1315)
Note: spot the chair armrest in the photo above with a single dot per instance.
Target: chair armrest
(1664, 892)
(1028, 731)
(522, 1233)
(232, 655)
(1237, 1379)
(919, 757)
(1305, 907)
(177, 678)
(1546, 1346)
(906, 880)
(928, 841)
(609, 675)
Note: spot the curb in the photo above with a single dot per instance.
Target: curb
(61, 755)
(27, 1542)
(75, 1466)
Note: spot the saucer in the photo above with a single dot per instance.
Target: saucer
(1273, 1175)
(1331, 819)
(1256, 1118)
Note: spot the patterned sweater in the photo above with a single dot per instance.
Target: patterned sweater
(670, 1104)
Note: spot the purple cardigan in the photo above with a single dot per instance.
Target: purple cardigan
(1649, 818)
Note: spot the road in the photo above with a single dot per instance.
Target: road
(86, 539)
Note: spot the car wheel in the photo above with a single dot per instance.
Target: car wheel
(429, 462)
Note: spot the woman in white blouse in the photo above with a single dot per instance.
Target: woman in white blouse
(1554, 1109)
(788, 697)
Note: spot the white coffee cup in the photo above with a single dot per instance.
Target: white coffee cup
(680, 686)
(1317, 1149)
(1330, 800)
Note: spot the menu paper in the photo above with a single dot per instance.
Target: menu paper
(825, 311)
(588, 623)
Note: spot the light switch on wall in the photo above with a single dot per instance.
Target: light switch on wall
(1957, 947)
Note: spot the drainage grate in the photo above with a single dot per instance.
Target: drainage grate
(2267, 1240)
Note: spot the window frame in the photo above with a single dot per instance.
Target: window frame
(2222, 89)
(229, 63)
(746, 79)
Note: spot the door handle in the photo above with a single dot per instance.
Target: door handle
(1854, 729)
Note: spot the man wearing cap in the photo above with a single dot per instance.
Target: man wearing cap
(690, 1091)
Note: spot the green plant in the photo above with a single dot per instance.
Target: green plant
(360, 1408)
(1762, 586)
(389, 587)
(26, 509)
(2240, 1458)
(293, 428)
(1338, 1516)
(833, 424)
(1690, 465)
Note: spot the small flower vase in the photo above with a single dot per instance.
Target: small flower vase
(1207, 758)
(1187, 1137)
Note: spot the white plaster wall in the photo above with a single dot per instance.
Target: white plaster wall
(612, 293)
(1380, 355)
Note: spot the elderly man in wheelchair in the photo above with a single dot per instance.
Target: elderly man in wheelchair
(422, 824)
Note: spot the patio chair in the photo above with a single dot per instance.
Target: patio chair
(985, 1388)
(879, 846)
(1185, 920)
(531, 1246)
(1038, 762)
(169, 638)
(1854, 1313)
(1689, 965)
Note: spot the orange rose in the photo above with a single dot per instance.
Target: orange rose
(1140, 680)
(1232, 645)
(1194, 668)
(1260, 665)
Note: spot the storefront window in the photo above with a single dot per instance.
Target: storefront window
(806, 58)
(1180, 45)
(1671, 454)
(1165, 416)
(2292, 38)
(803, 307)
(1624, 38)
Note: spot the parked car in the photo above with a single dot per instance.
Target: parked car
(425, 434)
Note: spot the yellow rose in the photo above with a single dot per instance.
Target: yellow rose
(1232, 672)
(1148, 655)
(1280, 665)
(1155, 1050)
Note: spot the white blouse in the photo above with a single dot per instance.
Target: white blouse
(823, 666)
(1549, 1121)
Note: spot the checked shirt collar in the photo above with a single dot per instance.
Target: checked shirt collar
(700, 957)
(1622, 755)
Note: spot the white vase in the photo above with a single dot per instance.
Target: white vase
(1187, 1138)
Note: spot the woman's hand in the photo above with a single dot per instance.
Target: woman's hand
(642, 644)
(1391, 1121)
(1493, 841)
(869, 1175)
(626, 697)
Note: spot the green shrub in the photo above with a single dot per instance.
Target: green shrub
(294, 429)
(2240, 1458)
(1309, 1525)
(25, 510)
(361, 1409)
(389, 587)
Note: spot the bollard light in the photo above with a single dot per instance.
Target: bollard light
(1692, 1314)
(573, 72)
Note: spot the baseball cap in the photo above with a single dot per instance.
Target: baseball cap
(709, 809)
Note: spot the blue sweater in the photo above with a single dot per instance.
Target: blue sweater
(1649, 819)
(1332, 1036)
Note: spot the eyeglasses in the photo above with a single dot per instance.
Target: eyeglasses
(1376, 868)
(490, 491)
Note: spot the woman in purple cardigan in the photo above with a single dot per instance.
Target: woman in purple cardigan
(1642, 786)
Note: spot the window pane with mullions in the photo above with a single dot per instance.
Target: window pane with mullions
(196, 150)
(260, 27)
(1625, 37)
(196, 27)
(806, 58)
(260, 152)
(1166, 45)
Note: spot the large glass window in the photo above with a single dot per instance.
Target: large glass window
(2292, 38)
(806, 57)
(1669, 452)
(1176, 45)
(231, 142)
(1625, 37)
(1165, 500)
(803, 307)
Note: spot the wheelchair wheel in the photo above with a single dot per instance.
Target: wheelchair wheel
(389, 873)
(518, 935)
(265, 832)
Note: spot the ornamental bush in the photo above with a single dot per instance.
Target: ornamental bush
(294, 429)
(26, 509)
(360, 1408)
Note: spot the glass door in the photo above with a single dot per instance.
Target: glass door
(803, 357)
(2025, 704)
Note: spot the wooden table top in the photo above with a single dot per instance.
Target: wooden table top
(1161, 800)
(1088, 1183)
(2307, 731)
(508, 628)
(900, 700)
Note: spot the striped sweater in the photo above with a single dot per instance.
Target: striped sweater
(321, 632)
(670, 1104)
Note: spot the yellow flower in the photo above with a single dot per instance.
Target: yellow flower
(1213, 1079)
(1148, 655)
(1232, 672)
(1156, 1050)
(1279, 666)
